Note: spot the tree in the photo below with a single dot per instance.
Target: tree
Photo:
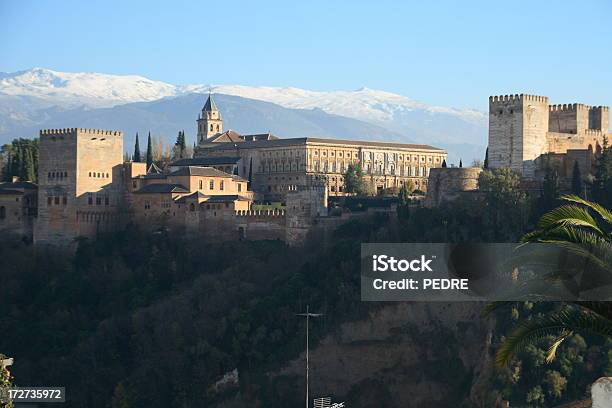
(136, 157)
(550, 190)
(403, 204)
(180, 147)
(601, 189)
(460, 163)
(6, 380)
(576, 180)
(149, 152)
(504, 202)
(582, 228)
(444, 163)
(20, 159)
(486, 160)
(353, 180)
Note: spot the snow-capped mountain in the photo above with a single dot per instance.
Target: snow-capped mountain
(104, 90)
(89, 89)
(39, 96)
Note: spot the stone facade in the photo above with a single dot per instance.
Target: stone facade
(448, 183)
(80, 183)
(524, 128)
(273, 165)
(18, 207)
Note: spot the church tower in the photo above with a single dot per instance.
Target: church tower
(209, 121)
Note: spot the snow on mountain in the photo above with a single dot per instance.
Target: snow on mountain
(103, 90)
(39, 95)
(90, 89)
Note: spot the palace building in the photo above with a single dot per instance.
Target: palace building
(272, 165)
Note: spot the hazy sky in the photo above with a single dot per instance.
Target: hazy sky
(453, 53)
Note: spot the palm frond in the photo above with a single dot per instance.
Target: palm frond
(599, 209)
(536, 329)
(552, 350)
(569, 216)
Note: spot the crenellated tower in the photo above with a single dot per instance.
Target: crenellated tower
(209, 121)
(518, 126)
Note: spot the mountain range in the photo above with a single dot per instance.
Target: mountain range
(42, 98)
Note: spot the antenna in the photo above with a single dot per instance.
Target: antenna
(308, 315)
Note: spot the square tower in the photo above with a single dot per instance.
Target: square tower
(518, 125)
(80, 180)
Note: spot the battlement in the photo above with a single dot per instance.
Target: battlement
(260, 213)
(569, 107)
(517, 98)
(73, 131)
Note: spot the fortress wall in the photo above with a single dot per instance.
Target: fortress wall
(445, 183)
(568, 118)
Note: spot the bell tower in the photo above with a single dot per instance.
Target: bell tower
(209, 121)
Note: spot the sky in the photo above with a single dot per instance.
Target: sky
(450, 53)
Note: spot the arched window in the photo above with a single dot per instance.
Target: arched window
(211, 127)
(217, 128)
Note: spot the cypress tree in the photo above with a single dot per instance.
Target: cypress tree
(460, 163)
(183, 144)
(486, 160)
(29, 171)
(443, 163)
(250, 171)
(576, 179)
(136, 157)
(149, 152)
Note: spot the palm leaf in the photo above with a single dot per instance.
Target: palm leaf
(599, 209)
(536, 329)
(569, 216)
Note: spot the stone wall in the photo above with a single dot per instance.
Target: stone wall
(80, 182)
(446, 183)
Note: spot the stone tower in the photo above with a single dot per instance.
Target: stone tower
(518, 126)
(80, 180)
(209, 121)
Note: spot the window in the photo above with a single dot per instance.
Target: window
(200, 184)
(106, 200)
(49, 200)
(239, 187)
(98, 200)
(211, 127)
(211, 185)
(2, 212)
(56, 200)
(134, 184)
(221, 185)
(147, 205)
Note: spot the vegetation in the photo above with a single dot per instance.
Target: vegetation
(354, 181)
(576, 180)
(20, 159)
(601, 188)
(583, 228)
(149, 159)
(6, 381)
(136, 157)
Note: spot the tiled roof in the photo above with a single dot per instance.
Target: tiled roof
(162, 188)
(25, 185)
(309, 140)
(206, 161)
(224, 198)
(210, 105)
(203, 171)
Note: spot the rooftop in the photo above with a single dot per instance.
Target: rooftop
(202, 171)
(206, 161)
(162, 188)
(313, 140)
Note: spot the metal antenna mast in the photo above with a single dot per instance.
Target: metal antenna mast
(308, 315)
